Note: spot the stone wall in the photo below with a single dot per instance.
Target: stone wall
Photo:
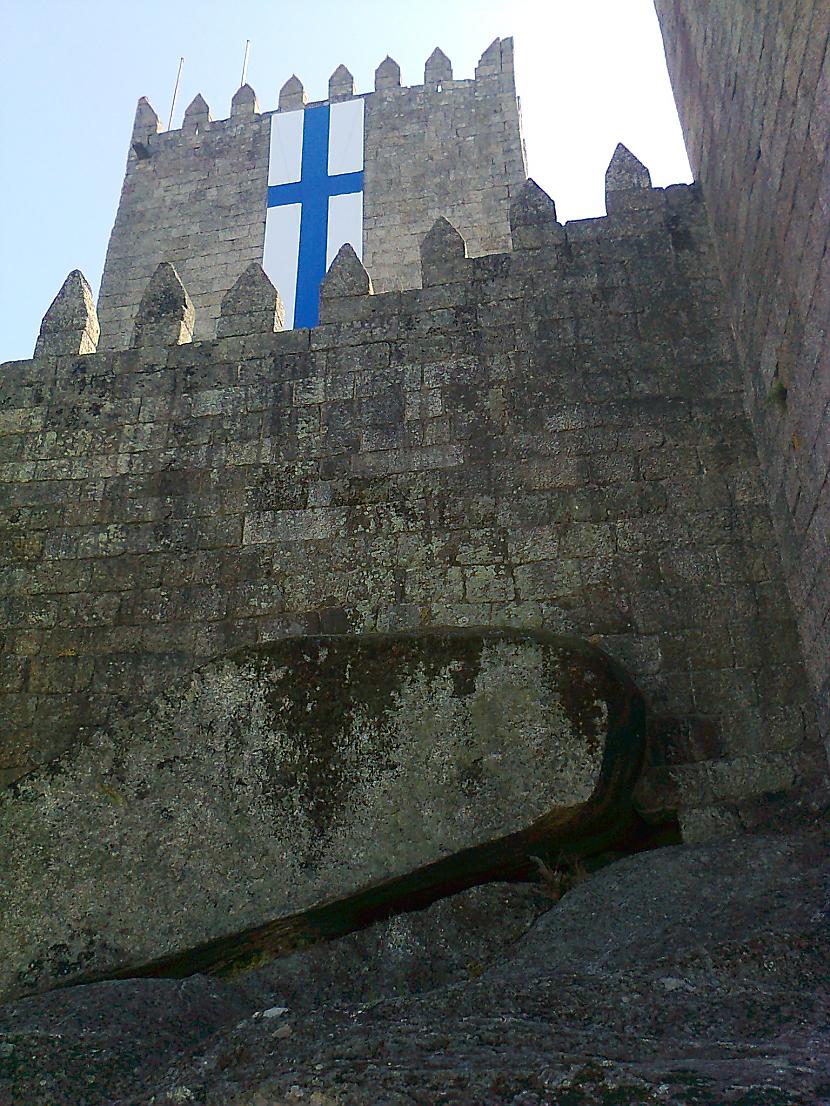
(752, 83)
(553, 437)
(446, 147)
(193, 197)
(196, 197)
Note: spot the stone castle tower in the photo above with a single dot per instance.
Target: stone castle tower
(495, 424)
(197, 197)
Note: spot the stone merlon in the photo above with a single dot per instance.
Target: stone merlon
(438, 68)
(387, 75)
(165, 314)
(252, 306)
(244, 102)
(70, 326)
(292, 95)
(533, 218)
(443, 252)
(341, 84)
(197, 115)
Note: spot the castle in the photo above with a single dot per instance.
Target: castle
(496, 421)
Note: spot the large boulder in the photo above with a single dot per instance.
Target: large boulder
(301, 772)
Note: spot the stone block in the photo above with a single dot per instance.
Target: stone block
(387, 75)
(533, 219)
(145, 126)
(70, 326)
(341, 85)
(346, 275)
(244, 103)
(438, 69)
(252, 306)
(443, 254)
(196, 116)
(624, 175)
(292, 95)
(165, 315)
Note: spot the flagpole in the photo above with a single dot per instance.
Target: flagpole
(175, 93)
(245, 62)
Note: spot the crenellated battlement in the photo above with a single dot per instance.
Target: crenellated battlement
(538, 241)
(546, 436)
(495, 419)
(197, 197)
(495, 63)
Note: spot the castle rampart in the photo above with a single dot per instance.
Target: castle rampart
(549, 437)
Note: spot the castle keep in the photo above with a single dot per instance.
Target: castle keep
(498, 422)
(196, 197)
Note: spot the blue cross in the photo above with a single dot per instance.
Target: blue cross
(313, 190)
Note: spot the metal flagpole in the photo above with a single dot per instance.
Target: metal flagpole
(175, 93)
(245, 62)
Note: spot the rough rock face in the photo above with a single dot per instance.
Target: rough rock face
(688, 976)
(289, 775)
(89, 1043)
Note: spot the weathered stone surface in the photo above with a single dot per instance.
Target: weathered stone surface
(387, 75)
(196, 116)
(70, 326)
(346, 277)
(684, 977)
(628, 185)
(555, 440)
(341, 84)
(145, 125)
(490, 61)
(109, 1032)
(292, 94)
(420, 165)
(252, 306)
(244, 102)
(443, 253)
(290, 775)
(209, 228)
(625, 171)
(452, 941)
(533, 219)
(165, 315)
(438, 68)
(496, 59)
(97, 1043)
(751, 86)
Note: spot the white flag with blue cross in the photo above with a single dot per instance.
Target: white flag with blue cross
(315, 200)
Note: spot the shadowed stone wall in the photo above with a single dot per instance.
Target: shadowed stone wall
(752, 83)
(553, 437)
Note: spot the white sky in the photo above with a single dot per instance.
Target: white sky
(589, 73)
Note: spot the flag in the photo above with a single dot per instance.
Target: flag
(315, 200)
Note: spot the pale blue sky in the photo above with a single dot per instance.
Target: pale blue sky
(589, 73)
